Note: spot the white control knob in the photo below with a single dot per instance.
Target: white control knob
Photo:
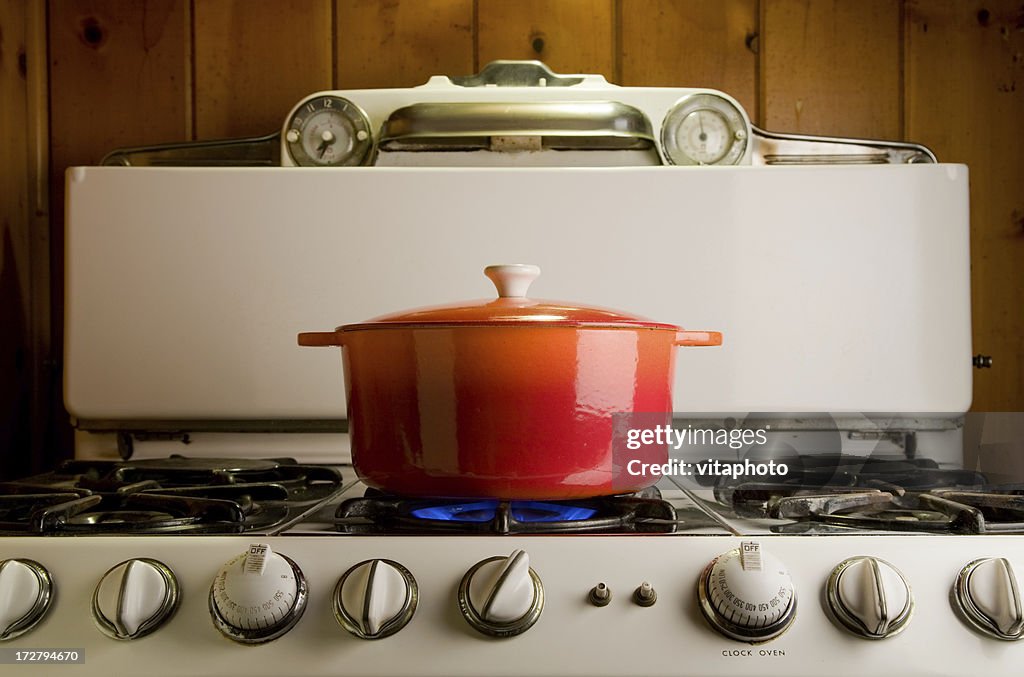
(257, 596)
(375, 598)
(502, 596)
(869, 597)
(747, 594)
(135, 598)
(26, 591)
(988, 594)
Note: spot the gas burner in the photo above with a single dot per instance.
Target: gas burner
(974, 510)
(878, 494)
(172, 495)
(377, 513)
(141, 513)
(918, 512)
(831, 471)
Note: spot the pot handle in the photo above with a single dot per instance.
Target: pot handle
(319, 338)
(698, 338)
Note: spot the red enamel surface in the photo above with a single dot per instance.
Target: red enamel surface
(507, 412)
(512, 310)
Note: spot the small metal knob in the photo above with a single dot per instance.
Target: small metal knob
(600, 595)
(982, 361)
(645, 595)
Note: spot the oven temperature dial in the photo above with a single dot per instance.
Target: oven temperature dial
(257, 596)
(502, 596)
(747, 594)
(704, 129)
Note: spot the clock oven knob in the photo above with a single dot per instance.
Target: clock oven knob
(375, 598)
(747, 595)
(987, 593)
(26, 591)
(257, 596)
(869, 597)
(502, 596)
(135, 598)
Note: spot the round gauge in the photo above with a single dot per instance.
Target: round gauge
(328, 131)
(704, 129)
(257, 596)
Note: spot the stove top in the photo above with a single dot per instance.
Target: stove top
(310, 561)
(181, 495)
(175, 495)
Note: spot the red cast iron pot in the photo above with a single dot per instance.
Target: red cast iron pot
(507, 398)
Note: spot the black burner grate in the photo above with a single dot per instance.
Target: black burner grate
(879, 494)
(173, 495)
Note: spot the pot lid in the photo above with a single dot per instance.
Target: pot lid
(512, 307)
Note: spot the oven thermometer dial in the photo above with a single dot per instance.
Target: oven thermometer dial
(257, 596)
(328, 131)
(704, 129)
(747, 595)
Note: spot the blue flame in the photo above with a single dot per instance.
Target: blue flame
(522, 511)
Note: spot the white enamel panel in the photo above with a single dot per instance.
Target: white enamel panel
(837, 288)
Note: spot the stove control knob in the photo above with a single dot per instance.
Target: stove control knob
(869, 597)
(135, 598)
(257, 596)
(988, 594)
(26, 591)
(375, 598)
(502, 596)
(747, 594)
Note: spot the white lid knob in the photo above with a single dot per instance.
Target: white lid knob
(512, 280)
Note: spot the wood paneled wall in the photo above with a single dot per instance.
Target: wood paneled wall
(946, 73)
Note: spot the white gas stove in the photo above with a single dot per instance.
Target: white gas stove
(182, 541)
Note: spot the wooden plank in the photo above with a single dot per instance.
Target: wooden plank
(832, 67)
(691, 44)
(965, 99)
(15, 258)
(254, 60)
(118, 77)
(14, 208)
(570, 36)
(401, 43)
